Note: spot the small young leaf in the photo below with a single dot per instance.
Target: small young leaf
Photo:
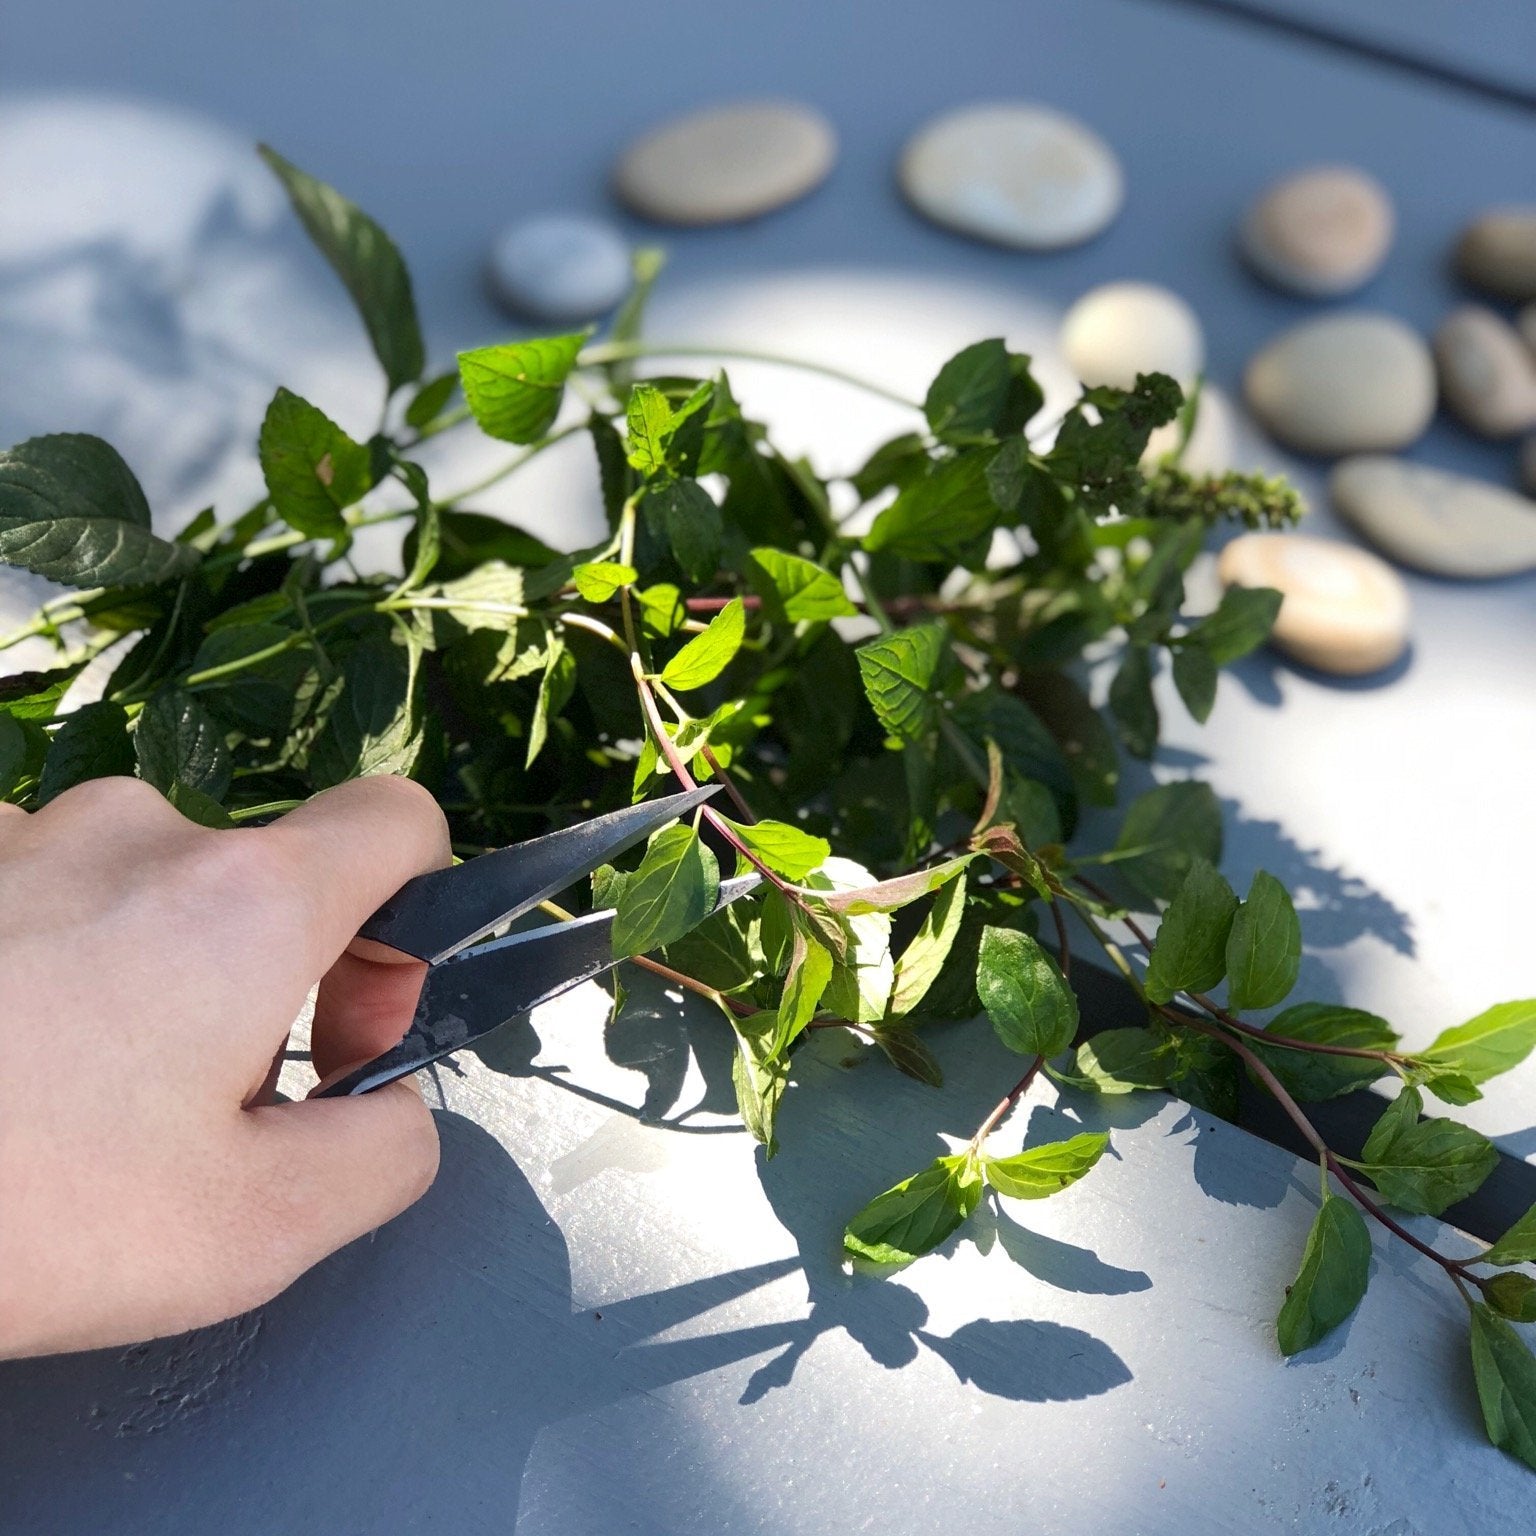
(1040, 1171)
(366, 260)
(1335, 1270)
(1517, 1246)
(898, 672)
(92, 743)
(1512, 1296)
(783, 848)
(1505, 1372)
(915, 1216)
(71, 510)
(1492, 1043)
(1132, 704)
(1424, 1165)
(312, 468)
(1190, 954)
(801, 589)
(1310, 1077)
(428, 401)
(1120, 1061)
(1449, 1087)
(1264, 947)
(1241, 622)
(1195, 676)
(600, 580)
(1164, 831)
(177, 742)
(707, 655)
(515, 389)
(675, 887)
(920, 962)
(1032, 1009)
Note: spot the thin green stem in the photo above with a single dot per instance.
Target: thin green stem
(511, 467)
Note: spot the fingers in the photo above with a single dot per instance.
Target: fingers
(323, 1172)
(352, 847)
(364, 1007)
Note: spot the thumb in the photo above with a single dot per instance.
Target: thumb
(323, 1172)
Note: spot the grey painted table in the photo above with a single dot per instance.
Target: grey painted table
(597, 1320)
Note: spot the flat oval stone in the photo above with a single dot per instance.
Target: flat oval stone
(1445, 524)
(1115, 332)
(560, 267)
(1497, 252)
(1343, 610)
(1344, 383)
(1487, 373)
(1320, 232)
(1014, 173)
(727, 163)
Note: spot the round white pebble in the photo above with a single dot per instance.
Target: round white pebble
(1320, 232)
(1345, 383)
(1343, 611)
(1487, 373)
(1445, 524)
(560, 267)
(1497, 252)
(1014, 173)
(1115, 332)
(727, 163)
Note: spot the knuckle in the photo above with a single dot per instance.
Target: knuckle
(118, 797)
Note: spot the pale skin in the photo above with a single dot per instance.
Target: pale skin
(150, 970)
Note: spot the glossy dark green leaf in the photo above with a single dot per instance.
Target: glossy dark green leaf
(982, 389)
(1264, 946)
(1242, 621)
(1505, 1373)
(1031, 1007)
(428, 401)
(92, 743)
(1493, 1042)
(1335, 1270)
(1424, 1166)
(71, 510)
(1195, 676)
(176, 741)
(915, 1216)
(674, 888)
(366, 260)
(898, 672)
(1132, 704)
(1041, 1171)
(1190, 954)
(375, 725)
(689, 519)
(515, 389)
(1310, 1077)
(943, 516)
(1164, 831)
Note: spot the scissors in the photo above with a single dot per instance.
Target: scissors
(471, 989)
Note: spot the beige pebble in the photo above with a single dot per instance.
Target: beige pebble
(1211, 447)
(726, 163)
(1487, 373)
(1344, 383)
(1497, 252)
(1448, 525)
(1119, 330)
(1343, 611)
(1320, 232)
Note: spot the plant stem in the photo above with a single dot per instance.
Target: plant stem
(1005, 1104)
(497, 476)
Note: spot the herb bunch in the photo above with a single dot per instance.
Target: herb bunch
(892, 667)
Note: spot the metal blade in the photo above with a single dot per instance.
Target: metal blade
(436, 915)
(483, 988)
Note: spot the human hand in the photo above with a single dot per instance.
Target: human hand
(150, 970)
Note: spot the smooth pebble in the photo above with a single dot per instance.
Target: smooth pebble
(1525, 323)
(1115, 332)
(727, 162)
(1343, 610)
(560, 267)
(1497, 252)
(1445, 524)
(1014, 173)
(1211, 447)
(1487, 373)
(1344, 383)
(1528, 464)
(1320, 232)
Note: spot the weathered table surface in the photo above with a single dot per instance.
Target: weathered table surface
(594, 1321)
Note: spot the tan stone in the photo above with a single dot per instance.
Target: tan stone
(1320, 232)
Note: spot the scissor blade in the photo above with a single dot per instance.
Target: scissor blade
(436, 915)
(483, 988)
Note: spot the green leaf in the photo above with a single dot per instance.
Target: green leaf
(1505, 1372)
(199, 807)
(71, 510)
(1164, 831)
(898, 671)
(919, 964)
(312, 468)
(1120, 1061)
(661, 609)
(982, 389)
(675, 888)
(1424, 1165)
(799, 589)
(783, 848)
(92, 743)
(1335, 1270)
(1040, 1171)
(1195, 676)
(1032, 1008)
(1518, 1244)
(906, 1052)
(1492, 1043)
(1264, 947)
(428, 401)
(1311, 1077)
(656, 443)
(600, 580)
(268, 678)
(176, 741)
(555, 690)
(1449, 1087)
(690, 520)
(708, 654)
(36, 695)
(1190, 954)
(897, 892)
(944, 516)
(915, 1216)
(375, 725)
(1132, 704)
(515, 389)
(758, 1075)
(1242, 622)
(16, 750)
(1512, 1296)
(810, 969)
(366, 260)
